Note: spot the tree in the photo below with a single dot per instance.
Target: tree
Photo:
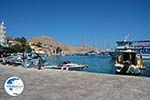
(18, 48)
(13, 49)
(39, 44)
(58, 50)
(22, 40)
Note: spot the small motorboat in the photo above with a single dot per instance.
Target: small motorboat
(127, 62)
(11, 60)
(67, 65)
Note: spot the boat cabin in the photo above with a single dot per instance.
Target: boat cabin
(128, 61)
(129, 57)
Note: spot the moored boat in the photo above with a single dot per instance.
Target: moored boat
(141, 47)
(128, 62)
(67, 65)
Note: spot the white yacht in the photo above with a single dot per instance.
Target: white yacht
(141, 47)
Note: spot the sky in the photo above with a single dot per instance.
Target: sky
(98, 23)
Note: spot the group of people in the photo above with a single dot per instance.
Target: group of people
(135, 60)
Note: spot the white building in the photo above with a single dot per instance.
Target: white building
(3, 40)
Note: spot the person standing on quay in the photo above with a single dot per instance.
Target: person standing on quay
(39, 62)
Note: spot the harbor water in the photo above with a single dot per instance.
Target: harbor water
(96, 64)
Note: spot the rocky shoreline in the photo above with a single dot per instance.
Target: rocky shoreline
(49, 84)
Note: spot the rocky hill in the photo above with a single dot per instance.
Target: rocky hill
(52, 42)
(48, 41)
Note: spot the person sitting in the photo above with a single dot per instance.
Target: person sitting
(119, 59)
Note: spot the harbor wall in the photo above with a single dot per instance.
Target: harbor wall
(50, 84)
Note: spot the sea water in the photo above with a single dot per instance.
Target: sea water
(96, 64)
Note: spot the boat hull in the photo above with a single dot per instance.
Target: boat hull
(144, 56)
(71, 66)
(128, 69)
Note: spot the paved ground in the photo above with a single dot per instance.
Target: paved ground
(61, 85)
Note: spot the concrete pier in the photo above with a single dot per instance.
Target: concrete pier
(48, 84)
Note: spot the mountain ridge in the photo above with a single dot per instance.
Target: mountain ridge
(49, 41)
